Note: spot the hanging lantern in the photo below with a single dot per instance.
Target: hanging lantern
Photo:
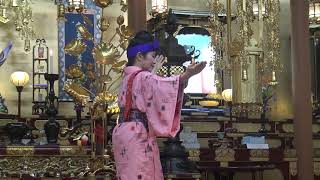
(255, 8)
(77, 5)
(314, 12)
(159, 6)
(244, 75)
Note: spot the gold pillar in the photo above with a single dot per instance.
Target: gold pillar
(301, 87)
(137, 15)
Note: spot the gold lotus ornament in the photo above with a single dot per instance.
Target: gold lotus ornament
(84, 32)
(120, 20)
(107, 97)
(79, 93)
(105, 53)
(124, 43)
(124, 32)
(75, 47)
(104, 24)
(103, 3)
(74, 72)
(113, 108)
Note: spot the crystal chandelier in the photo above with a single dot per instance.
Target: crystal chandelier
(20, 13)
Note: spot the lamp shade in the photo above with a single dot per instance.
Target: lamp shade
(19, 78)
(227, 95)
(159, 6)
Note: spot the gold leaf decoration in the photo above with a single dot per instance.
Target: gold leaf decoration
(75, 47)
(103, 3)
(84, 32)
(74, 72)
(78, 92)
(105, 53)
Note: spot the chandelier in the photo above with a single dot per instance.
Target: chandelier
(20, 13)
(314, 11)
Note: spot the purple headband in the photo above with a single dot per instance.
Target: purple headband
(143, 48)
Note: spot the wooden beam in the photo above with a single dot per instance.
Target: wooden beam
(300, 55)
(137, 15)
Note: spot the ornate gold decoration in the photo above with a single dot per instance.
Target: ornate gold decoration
(79, 93)
(224, 154)
(74, 133)
(38, 166)
(84, 32)
(259, 155)
(74, 150)
(20, 14)
(194, 153)
(74, 72)
(105, 53)
(103, 3)
(216, 30)
(75, 47)
(214, 96)
(104, 24)
(19, 150)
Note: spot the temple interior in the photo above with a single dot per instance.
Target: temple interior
(251, 114)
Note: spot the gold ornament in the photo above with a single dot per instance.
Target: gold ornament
(105, 53)
(79, 93)
(120, 20)
(75, 47)
(84, 32)
(104, 24)
(103, 3)
(74, 72)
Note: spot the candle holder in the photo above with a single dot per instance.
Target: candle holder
(52, 127)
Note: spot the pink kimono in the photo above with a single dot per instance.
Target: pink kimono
(134, 141)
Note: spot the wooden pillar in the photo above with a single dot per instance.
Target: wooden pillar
(137, 15)
(300, 55)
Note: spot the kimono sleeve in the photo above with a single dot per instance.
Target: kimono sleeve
(163, 100)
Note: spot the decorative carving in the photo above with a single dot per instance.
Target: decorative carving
(55, 166)
(224, 154)
(194, 154)
(259, 155)
(20, 150)
(72, 151)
